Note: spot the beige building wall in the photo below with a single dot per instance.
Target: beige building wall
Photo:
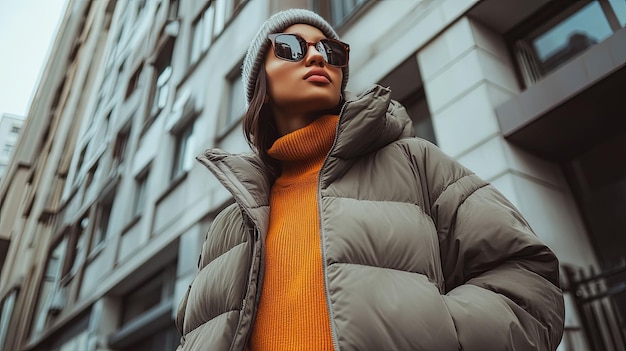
(38, 169)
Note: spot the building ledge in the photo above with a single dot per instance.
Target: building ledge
(572, 108)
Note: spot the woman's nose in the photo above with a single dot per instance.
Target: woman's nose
(314, 57)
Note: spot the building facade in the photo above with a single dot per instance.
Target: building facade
(104, 210)
(10, 126)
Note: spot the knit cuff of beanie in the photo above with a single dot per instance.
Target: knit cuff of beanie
(275, 24)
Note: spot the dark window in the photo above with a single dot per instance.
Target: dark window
(81, 159)
(160, 82)
(52, 276)
(183, 158)
(172, 10)
(148, 294)
(559, 33)
(236, 100)
(202, 32)
(163, 340)
(141, 184)
(119, 149)
(141, 5)
(338, 12)
(8, 305)
(133, 83)
(147, 308)
(91, 175)
(210, 23)
(102, 225)
(78, 246)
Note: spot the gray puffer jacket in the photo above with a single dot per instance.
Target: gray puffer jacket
(418, 252)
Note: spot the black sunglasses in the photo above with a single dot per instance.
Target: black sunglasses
(292, 47)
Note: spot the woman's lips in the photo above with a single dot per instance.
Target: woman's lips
(317, 75)
(317, 79)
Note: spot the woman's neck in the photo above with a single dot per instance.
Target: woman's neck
(287, 123)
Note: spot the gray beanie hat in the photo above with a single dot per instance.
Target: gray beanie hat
(260, 44)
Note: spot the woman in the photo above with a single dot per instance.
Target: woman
(349, 234)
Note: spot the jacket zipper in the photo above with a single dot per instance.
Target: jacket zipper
(333, 328)
(331, 316)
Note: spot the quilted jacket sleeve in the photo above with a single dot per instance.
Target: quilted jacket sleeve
(501, 282)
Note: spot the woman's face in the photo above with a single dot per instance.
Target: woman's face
(304, 87)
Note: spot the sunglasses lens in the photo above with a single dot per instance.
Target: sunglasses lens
(333, 52)
(289, 47)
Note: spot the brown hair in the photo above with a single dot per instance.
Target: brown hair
(259, 126)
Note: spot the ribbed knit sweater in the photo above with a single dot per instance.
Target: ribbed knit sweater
(292, 313)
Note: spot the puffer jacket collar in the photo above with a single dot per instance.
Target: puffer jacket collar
(366, 123)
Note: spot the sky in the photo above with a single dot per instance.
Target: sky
(27, 30)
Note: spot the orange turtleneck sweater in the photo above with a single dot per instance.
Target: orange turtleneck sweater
(292, 312)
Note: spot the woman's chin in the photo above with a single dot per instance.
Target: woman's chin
(313, 102)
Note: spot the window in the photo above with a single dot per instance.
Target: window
(183, 158)
(102, 222)
(221, 14)
(620, 11)
(236, 100)
(133, 83)
(81, 160)
(116, 77)
(163, 73)
(49, 283)
(8, 304)
(15, 129)
(75, 339)
(91, 175)
(202, 29)
(160, 97)
(107, 126)
(551, 39)
(238, 4)
(141, 184)
(209, 24)
(119, 149)
(147, 307)
(142, 299)
(172, 10)
(97, 109)
(164, 339)
(78, 246)
(141, 5)
(338, 11)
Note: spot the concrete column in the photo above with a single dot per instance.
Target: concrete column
(467, 72)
